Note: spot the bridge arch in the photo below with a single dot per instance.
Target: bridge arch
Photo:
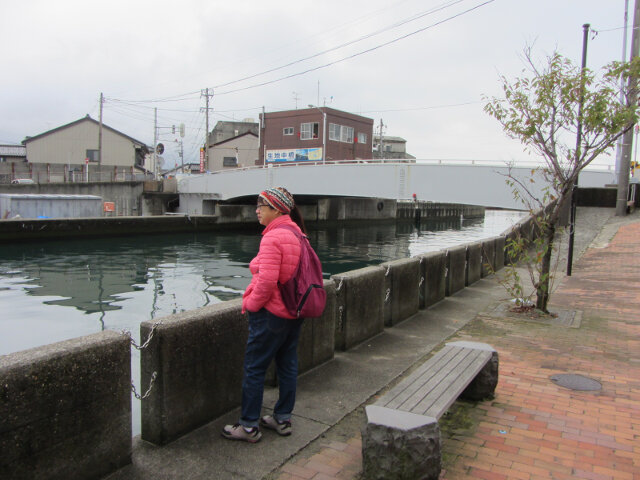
(467, 183)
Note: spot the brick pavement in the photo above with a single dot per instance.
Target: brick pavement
(534, 429)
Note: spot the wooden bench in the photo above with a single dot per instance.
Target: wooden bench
(401, 439)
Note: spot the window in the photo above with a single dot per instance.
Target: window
(334, 132)
(93, 156)
(340, 133)
(308, 131)
(362, 138)
(287, 131)
(229, 162)
(346, 134)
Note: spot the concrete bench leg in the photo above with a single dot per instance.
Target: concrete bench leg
(484, 385)
(400, 445)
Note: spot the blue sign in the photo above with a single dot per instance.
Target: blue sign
(294, 155)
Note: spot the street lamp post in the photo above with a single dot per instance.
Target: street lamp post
(324, 132)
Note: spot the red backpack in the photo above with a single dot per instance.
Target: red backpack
(303, 294)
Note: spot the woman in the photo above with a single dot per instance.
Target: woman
(273, 332)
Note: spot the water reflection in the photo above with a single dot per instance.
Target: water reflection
(57, 290)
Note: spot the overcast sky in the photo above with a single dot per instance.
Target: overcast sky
(422, 66)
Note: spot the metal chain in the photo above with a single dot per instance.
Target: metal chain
(421, 281)
(386, 298)
(340, 310)
(145, 344)
(340, 285)
(386, 274)
(146, 394)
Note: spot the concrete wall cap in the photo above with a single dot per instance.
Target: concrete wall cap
(54, 350)
(401, 261)
(359, 272)
(196, 315)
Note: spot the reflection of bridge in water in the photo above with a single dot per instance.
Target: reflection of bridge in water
(469, 183)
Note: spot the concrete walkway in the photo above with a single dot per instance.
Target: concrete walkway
(532, 429)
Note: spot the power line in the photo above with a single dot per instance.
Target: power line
(364, 37)
(173, 98)
(139, 105)
(369, 50)
(190, 95)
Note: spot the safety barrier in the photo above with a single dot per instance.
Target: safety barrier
(433, 276)
(402, 289)
(456, 269)
(194, 362)
(360, 300)
(474, 263)
(65, 409)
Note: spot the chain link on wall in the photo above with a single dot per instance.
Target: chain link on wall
(127, 333)
(146, 394)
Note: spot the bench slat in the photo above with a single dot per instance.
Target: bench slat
(460, 369)
(407, 387)
(440, 399)
(448, 372)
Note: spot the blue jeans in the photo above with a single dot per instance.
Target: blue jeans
(270, 337)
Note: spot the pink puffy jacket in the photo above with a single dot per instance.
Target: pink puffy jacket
(276, 261)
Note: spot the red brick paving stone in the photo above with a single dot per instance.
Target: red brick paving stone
(587, 435)
(296, 470)
(324, 476)
(534, 429)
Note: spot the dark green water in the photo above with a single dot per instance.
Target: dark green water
(54, 291)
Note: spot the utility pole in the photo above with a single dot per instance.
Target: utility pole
(263, 151)
(574, 190)
(100, 131)
(380, 145)
(625, 161)
(206, 94)
(155, 143)
(624, 57)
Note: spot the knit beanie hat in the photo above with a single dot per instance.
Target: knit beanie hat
(279, 198)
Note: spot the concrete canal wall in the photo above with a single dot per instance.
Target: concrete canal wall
(65, 408)
(224, 217)
(15, 230)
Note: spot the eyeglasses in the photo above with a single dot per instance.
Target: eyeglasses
(262, 205)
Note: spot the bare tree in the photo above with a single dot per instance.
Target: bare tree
(542, 110)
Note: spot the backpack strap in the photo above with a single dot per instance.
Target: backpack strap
(297, 233)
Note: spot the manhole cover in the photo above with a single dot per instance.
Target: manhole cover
(576, 382)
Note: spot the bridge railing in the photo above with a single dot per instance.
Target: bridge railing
(391, 161)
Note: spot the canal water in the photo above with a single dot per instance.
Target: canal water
(56, 290)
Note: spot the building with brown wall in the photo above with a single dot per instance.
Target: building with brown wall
(314, 134)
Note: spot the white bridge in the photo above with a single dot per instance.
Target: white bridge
(469, 182)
